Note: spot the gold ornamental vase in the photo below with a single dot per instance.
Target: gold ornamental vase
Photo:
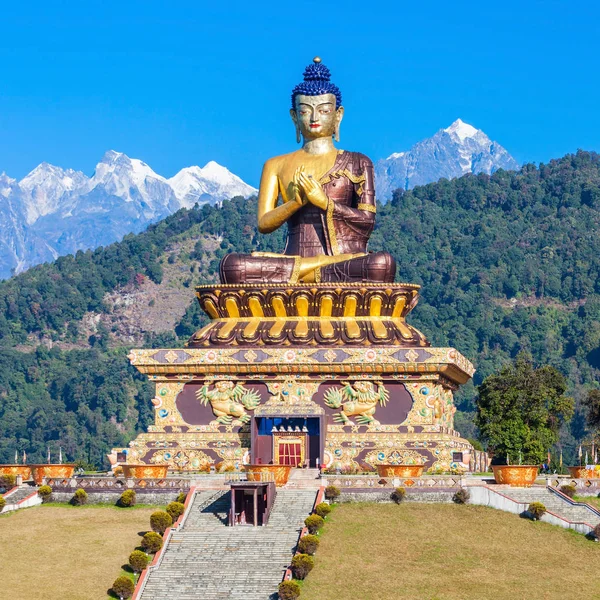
(515, 475)
(145, 471)
(23, 470)
(400, 470)
(51, 472)
(583, 473)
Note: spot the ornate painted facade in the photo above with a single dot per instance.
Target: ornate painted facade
(345, 407)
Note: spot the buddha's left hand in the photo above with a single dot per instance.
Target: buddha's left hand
(313, 191)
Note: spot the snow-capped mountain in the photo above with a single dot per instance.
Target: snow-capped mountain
(54, 211)
(450, 153)
(208, 184)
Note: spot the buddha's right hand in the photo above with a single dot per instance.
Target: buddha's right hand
(293, 190)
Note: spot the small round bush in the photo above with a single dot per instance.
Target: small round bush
(7, 482)
(308, 544)
(289, 590)
(596, 532)
(138, 561)
(127, 499)
(152, 542)
(332, 492)
(462, 496)
(302, 565)
(79, 498)
(123, 587)
(536, 510)
(175, 509)
(45, 493)
(314, 523)
(568, 490)
(160, 521)
(2, 503)
(398, 495)
(322, 509)
(181, 497)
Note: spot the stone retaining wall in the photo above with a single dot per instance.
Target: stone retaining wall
(412, 495)
(159, 497)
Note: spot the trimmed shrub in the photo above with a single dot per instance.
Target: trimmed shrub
(462, 496)
(332, 492)
(308, 544)
(322, 509)
(289, 590)
(160, 521)
(7, 482)
(302, 565)
(568, 490)
(536, 510)
(45, 493)
(79, 498)
(314, 523)
(596, 532)
(175, 509)
(181, 497)
(398, 495)
(123, 587)
(138, 561)
(2, 503)
(152, 542)
(127, 499)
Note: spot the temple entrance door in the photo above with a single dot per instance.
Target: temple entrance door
(289, 449)
(286, 440)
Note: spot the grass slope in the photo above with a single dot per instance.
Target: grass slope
(71, 553)
(448, 552)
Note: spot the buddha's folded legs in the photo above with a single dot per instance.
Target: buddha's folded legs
(272, 268)
(244, 268)
(377, 266)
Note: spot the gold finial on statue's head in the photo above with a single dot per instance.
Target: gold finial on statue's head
(317, 59)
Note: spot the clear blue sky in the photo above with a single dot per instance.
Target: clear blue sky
(181, 83)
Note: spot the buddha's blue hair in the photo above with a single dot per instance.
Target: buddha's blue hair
(316, 82)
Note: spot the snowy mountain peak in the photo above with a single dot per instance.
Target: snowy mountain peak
(45, 187)
(462, 130)
(451, 152)
(212, 183)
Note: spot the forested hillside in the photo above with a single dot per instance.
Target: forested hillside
(507, 262)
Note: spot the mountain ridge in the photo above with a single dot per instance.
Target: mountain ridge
(449, 153)
(54, 211)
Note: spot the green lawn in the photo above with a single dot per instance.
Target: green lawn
(448, 552)
(54, 552)
(593, 500)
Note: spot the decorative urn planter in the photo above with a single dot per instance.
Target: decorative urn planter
(515, 475)
(51, 472)
(145, 471)
(583, 473)
(400, 470)
(23, 470)
(277, 473)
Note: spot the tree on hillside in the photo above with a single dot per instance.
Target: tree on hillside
(520, 410)
(592, 405)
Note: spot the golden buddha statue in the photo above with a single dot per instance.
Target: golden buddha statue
(326, 196)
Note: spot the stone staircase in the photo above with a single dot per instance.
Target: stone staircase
(553, 502)
(20, 493)
(208, 560)
(304, 479)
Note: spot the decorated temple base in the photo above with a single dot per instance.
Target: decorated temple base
(328, 375)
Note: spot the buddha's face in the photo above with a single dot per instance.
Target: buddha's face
(316, 116)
